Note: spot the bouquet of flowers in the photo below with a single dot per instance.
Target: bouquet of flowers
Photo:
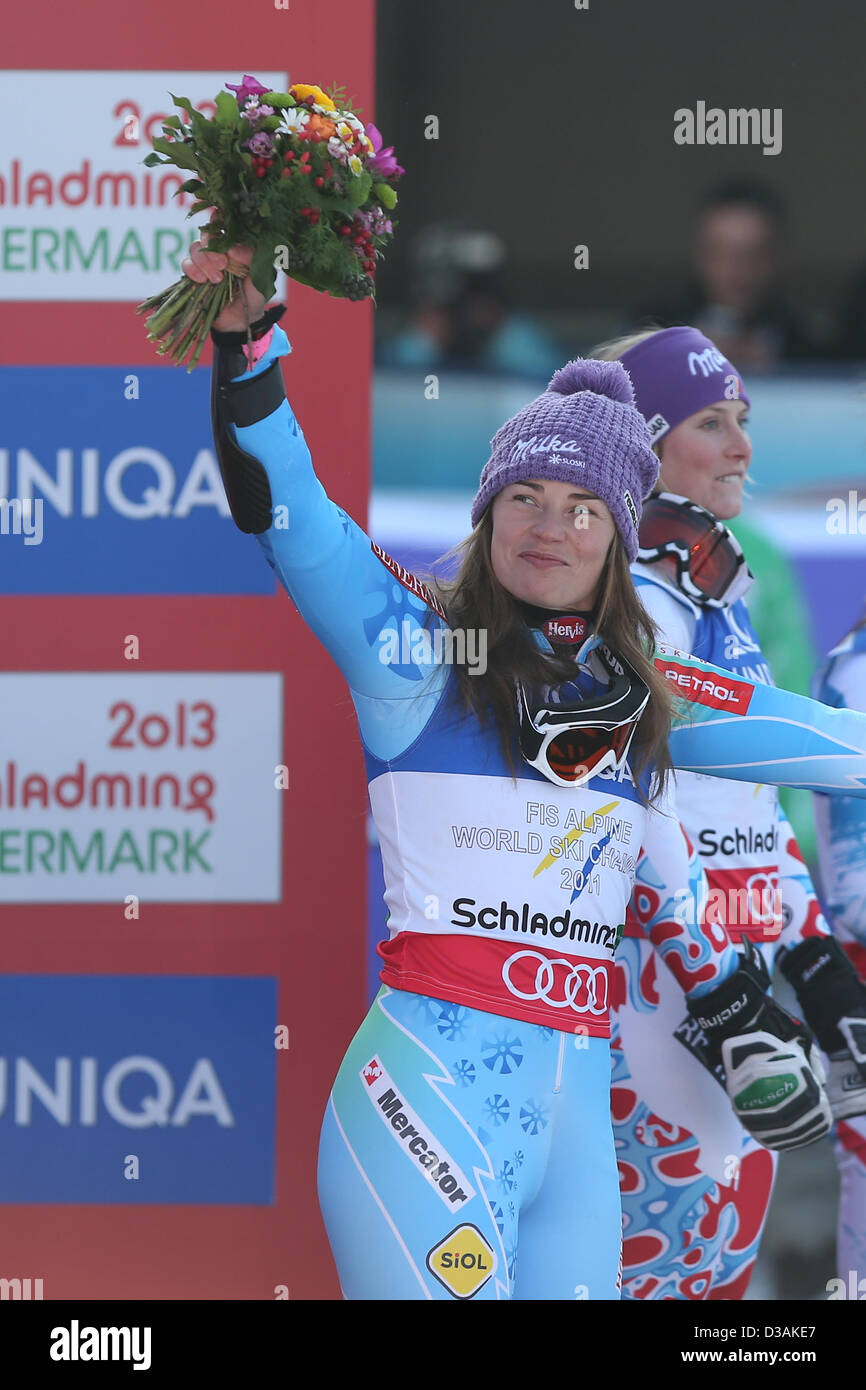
(298, 176)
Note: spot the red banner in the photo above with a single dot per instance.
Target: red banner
(290, 931)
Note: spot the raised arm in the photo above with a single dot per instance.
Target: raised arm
(364, 608)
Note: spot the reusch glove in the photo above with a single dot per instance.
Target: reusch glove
(833, 999)
(765, 1058)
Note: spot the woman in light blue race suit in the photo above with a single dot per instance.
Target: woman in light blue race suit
(515, 733)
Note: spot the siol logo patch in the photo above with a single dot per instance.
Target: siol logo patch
(463, 1261)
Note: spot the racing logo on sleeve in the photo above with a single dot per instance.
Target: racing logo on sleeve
(409, 581)
(463, 1261)
(704, 687)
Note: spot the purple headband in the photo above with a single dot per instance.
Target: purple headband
(677, 372)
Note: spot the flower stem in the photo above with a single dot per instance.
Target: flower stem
(217, 304)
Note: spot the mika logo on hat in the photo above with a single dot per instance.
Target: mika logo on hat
(675, 372)
(710, 360)
(548, 443)
(586, 430)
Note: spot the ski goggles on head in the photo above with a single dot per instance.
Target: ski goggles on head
(711, 566)
(570, 741)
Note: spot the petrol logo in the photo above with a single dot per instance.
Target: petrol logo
(464, 1261)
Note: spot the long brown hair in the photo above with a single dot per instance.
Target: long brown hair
(475, 599)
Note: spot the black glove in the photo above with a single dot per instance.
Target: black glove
(833, 1000)
(765, 1058)
(243, 403)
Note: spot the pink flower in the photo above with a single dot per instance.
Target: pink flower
(255, 113)
(383, 162)
(262, 143)
(248, 88)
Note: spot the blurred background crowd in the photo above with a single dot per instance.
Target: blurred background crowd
(546, 208)
(736, 289)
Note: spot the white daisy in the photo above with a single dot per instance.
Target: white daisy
(293, 119)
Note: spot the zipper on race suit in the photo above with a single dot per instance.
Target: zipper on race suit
(557, 1084)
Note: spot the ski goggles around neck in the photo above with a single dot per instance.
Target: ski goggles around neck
(711, 566)
(572, 741)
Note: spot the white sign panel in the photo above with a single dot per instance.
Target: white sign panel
(164, 786)
(81, 217)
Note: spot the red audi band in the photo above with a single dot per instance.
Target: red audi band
(517, 979)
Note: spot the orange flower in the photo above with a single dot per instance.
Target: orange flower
(320, 125)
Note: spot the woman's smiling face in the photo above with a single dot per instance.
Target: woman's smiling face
(549, 544)
(706, 458)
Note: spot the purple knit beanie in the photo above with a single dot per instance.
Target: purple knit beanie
(585, 429)
(675, 373)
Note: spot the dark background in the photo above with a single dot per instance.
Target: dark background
(556, 128)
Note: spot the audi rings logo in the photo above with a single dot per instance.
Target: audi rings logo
(561, 983)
